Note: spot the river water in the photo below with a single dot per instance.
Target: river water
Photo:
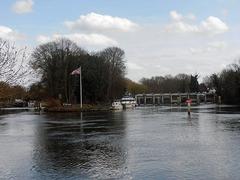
(144, 143)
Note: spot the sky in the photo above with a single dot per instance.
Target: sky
(159, 37)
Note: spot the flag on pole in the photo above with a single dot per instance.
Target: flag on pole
(76, 71)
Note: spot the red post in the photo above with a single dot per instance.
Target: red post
(189, 101)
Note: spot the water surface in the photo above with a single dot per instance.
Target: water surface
(145, 143)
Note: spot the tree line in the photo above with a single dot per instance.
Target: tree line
(103, 75)
(102, 72)
(226, 83)
(181, 83)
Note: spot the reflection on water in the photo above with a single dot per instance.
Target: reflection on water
(78, 145)
(145, 143)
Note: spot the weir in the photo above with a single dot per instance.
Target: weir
(174, 98)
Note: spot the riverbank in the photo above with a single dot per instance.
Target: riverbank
(76, 108)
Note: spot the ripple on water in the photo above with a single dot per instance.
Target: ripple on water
(145, 143)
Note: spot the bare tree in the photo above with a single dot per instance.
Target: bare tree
(54, 61)
(114, 56)
(12, 62)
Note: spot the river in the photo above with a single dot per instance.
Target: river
(144, 143)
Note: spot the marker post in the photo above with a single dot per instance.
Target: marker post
(189, 101)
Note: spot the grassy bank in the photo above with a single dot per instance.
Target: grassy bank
(76, 108)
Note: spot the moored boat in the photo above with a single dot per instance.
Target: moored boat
(116, 105)
(128, 102)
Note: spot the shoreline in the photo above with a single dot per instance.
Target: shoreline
(76, 108)
(94, 108)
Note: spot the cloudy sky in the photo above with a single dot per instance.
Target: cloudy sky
(159, 36)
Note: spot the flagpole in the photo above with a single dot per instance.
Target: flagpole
(80, 86)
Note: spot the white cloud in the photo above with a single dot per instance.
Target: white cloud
(191, 16)
(218, 44)
(134, 66)
(182, 27)
(81, 39)
(170, 53)
(209, 48)
(10, 34)
(212, 25)
(43, 39)
(176, 16)
(94, 21)
(196, 50)
(23, 6)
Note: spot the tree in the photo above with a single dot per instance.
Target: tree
(167, 84)
(183, 81)
(227, 83)
(194, 85)
(8, 92)
(5, 91)
(202, 87)
(12, 63)
(230, 83)
(37, 91)
(102, 72)
(94, 79)
(114, 57)
(18, 92)
(54, 61)
(135, 88)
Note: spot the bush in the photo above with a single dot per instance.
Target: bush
(51, 102)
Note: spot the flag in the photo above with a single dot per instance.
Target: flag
(76, 71)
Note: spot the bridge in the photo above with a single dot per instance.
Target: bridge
(174, 98)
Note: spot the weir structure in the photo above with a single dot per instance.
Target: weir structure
(174, 98)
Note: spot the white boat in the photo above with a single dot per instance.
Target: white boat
(116, 105)
(128, 102)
